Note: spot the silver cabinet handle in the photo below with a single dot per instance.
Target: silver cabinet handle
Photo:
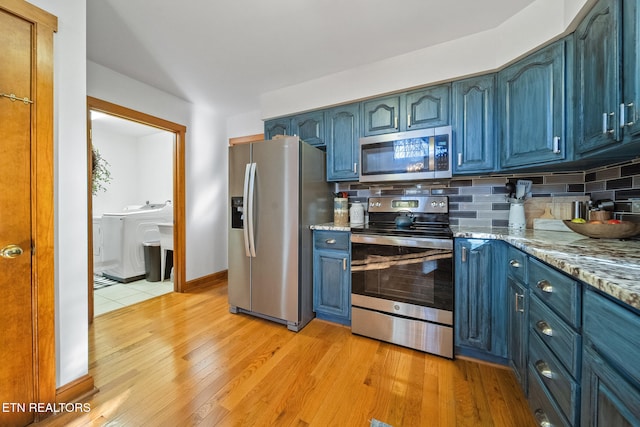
(623, 114)
(355, 168)
(11, 251)
(518, 308)
(542, 419)
(605, 123)
(544, 286)
(463, 255)
(544, 369)
(344, 264)
(330, 241)
(515, 264)
(459, 159)
(556, 145)
(544, 328)
(395, 122)
(408, 120)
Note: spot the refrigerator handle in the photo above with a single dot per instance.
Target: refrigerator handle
(252, 181)
(245, 203)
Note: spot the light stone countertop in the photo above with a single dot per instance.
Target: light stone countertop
(612, 266)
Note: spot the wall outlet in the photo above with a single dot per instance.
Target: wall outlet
(635, 205)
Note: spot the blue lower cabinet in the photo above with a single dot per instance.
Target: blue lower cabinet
(480, 291)
(610, 369)
(332, 276)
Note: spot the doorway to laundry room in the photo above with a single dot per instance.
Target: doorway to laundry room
(133, 210)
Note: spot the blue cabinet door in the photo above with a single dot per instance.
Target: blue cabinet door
(479, 309)
(608, 398)
(331, 290)
(426, 108)
(473, 125)
(598, 88)
(629, 108)
(275, 127)
(343, 137)
(517, 329)
(381, 115)
(310, 127)
(532, 108)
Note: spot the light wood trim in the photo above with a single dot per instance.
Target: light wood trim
(31, 13)
(246, 139)
(77, 390)
(179, 186)
(42, 203)
(212, 279)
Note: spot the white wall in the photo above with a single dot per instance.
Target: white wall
(70, 194)
(206, 162)
(483, 52)
(141, 169)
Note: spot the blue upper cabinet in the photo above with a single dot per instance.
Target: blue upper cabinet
(418, 109)
(473, 124)
(598, 86)
(310, 127)
(426, 108)
(630, 114)
(275, 127)
(381, 115)
(532, 108)
(343, 137)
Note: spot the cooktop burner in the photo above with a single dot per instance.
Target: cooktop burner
(426, 216)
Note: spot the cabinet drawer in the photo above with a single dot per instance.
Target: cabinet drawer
(555, 333)
(558, 291)
(558, 382)
(338, 240)
(517, 267)
(544, 408)
(613, 331)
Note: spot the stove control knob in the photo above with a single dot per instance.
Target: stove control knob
(378, 204)
(441, 204)
(434, 203)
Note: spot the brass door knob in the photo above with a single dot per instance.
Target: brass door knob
(11, 251)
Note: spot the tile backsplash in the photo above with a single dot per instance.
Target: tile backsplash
(481, 200)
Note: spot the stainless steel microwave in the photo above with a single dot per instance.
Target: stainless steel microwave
(413, 155)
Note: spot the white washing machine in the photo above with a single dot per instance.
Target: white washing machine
(123, 234)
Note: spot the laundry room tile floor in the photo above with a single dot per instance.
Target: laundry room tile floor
(123, 294)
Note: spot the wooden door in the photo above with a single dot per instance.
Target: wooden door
(27, 340)
(16, 346)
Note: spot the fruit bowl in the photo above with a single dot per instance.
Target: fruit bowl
(622, 230)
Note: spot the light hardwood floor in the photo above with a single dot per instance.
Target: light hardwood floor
(183, 360)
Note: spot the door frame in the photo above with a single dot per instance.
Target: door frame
(95, 104)
(42, 201)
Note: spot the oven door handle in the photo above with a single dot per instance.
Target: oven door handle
(402, 241)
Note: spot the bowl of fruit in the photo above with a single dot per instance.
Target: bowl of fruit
(608, 229)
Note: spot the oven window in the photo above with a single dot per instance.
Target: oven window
(413, 275)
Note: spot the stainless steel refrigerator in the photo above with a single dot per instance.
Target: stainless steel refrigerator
(277, 189)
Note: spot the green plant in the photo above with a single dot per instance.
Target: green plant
(100, 175)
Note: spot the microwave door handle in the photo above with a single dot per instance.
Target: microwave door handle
(245, 203)
(252, 207)
(432, 153)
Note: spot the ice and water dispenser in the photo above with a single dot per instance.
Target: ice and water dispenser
(237, 212)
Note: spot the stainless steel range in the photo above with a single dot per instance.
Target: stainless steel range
(402, 274)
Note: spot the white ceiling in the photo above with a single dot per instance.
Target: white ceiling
(225, 53)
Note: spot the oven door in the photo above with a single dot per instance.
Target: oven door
(416, 273)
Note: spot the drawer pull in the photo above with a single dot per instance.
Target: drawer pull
(542, 418)
(515, 264)
(330, 241)
(544, 369)
(518, 297)
(545, 286)
(544, 328)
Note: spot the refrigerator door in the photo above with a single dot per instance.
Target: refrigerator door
(274, 270)
(239, 273)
